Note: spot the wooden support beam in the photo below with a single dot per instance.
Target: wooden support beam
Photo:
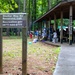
(1, 45)
(0, 50)
(38, 29)
(50, 33)
(24, 51)
(70, 25)
(54, 21)
(49, 22)
(45, 24)
(61, 32)
(41, 28)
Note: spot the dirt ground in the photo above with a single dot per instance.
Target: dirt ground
(38, 63)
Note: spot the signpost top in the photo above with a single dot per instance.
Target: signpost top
(13, 20)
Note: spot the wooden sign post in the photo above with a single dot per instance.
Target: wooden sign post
(24, 52)
(0, 44)
(15, 20)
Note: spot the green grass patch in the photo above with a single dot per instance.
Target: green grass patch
(12, 48)
(57, 50)
(12, 37)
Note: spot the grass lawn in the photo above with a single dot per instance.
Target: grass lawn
(41, 59)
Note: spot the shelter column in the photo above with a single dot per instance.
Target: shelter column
(70, 25)
(49, 26)
(45, 24)
(55, 22)
(41, 27)
(38, 29)
(0, 44)
(61, 32)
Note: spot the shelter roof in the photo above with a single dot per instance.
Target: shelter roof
(62, 6)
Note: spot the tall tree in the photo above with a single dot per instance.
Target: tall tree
(39, 7)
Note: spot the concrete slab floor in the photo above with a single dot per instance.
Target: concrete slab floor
(66, 61)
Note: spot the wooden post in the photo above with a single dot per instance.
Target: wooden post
(49, 27)
(54, 21)
(41, 28)
(0, 50)
(0, 45)
(61, 33)
(38, 30)
(24, 47)
(34, 28)
(70, 26)
(24, 51)
(45, 24)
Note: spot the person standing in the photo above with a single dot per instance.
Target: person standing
(30, 35)
(37, 34)
(54, 37)
(51, 32)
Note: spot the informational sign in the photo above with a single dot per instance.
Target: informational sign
(14, 20)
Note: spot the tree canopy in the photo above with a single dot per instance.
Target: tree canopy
(7, 5)
(35, 8)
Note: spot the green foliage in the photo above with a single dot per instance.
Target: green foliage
(9, 54)
(40, 6)
(57, 50)
(54, 2)
(7, 5)
(74, 23)
(36, 8)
